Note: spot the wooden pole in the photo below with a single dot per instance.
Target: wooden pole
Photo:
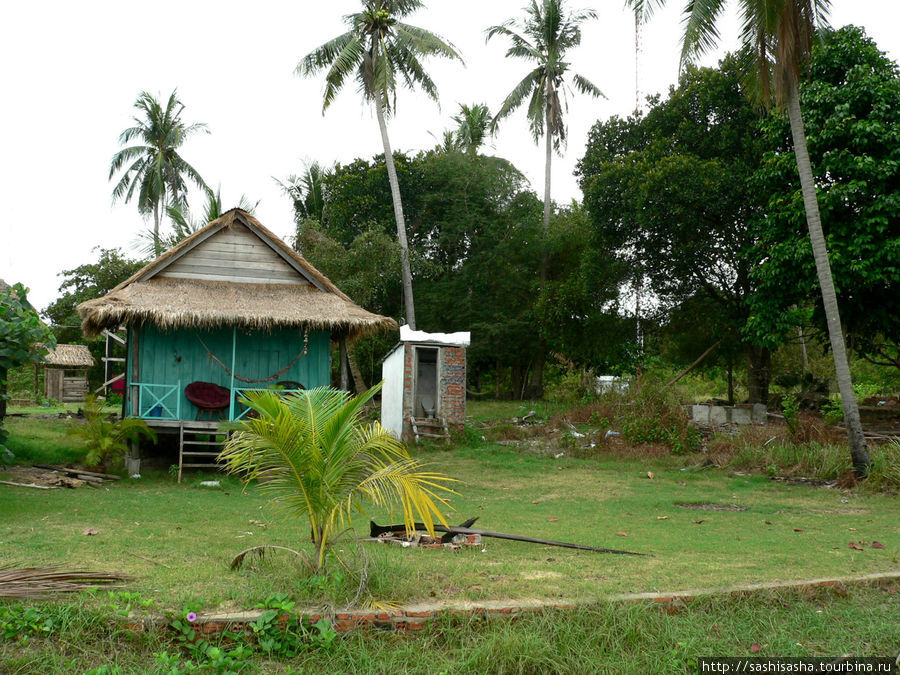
(693, 365)
(345, 375)
(231, 387)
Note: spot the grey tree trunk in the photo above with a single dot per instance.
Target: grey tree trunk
(858, 453)
(405, 272)
(157, 249)
(547, 203)
(358, 380)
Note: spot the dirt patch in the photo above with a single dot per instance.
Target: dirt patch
(709, 506)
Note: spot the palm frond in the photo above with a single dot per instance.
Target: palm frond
(529, 84)
(35, 583)
(585, 86)
(700, 32)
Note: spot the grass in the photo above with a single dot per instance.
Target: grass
(603, 638)
(179, 539)
(41, 438)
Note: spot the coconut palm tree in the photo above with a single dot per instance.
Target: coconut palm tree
(321, 462)
(377, 50)
(307, 191)
(543, 38)
(779, 35)
(154, 168)
(473, 127)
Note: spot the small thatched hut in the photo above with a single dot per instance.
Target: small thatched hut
(65, 373)
(232, 305)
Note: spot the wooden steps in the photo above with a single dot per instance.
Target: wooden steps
(430, 427)
(199, 459)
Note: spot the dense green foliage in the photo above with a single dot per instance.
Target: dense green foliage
(474, 229)
(86, 282)
(23, 339)
(851, 105)
(669, 194)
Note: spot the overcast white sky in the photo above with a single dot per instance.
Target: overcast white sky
(70, 72)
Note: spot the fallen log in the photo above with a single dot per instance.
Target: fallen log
(29, 485)
(376, 530)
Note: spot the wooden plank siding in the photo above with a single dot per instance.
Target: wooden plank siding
(234, 254)
(169, 357)
(74, 388)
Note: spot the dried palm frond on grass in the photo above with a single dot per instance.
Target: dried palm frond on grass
(42, 582)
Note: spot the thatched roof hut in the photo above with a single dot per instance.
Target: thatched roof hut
(231, 308)
(69, 356)
(264, 285)
(65, 373)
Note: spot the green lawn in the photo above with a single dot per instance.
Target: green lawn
(604, 638)
(178, 540)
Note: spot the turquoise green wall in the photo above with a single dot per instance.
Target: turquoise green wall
(167, 357)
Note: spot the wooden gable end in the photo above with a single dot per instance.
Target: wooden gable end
(233, 254)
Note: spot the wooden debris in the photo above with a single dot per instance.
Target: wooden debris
(376, 530)
(41, 582)
(77, 472)
(30, 485)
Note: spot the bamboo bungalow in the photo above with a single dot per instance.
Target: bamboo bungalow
(230, 309)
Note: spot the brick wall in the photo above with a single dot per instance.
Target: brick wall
(453, 385)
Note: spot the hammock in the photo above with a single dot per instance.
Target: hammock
(250, 380)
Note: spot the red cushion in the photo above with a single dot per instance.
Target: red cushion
(207, 395)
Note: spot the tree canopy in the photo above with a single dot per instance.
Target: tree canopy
(669, 194)
(851, 101)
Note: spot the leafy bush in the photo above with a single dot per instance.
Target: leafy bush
(107, 441)
(652, 413)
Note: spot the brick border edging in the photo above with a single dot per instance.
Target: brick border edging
(415, 617)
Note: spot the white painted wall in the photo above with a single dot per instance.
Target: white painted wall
(392, 391)
(454, 339)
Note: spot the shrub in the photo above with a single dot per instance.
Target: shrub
(656, 416)
(104, 440)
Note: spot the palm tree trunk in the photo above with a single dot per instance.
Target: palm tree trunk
(157, 249)
(858, 452)
(405, 272)
(358, 381)
(547, 204)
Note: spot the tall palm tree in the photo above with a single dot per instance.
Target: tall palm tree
(321, 461)
(377, 50)
(154, 168)
(473, 127)
(779, 35)
(543, 38)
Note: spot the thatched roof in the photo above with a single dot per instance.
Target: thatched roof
(70, 356)
(311, 300)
